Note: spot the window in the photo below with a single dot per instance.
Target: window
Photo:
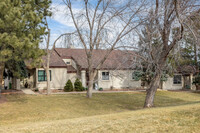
(42, 75)
(177, 79)
(29, 75)
(133, 75)
(68, 63)
(105, 75)
(136, 75)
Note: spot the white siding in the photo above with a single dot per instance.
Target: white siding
(118, 79)
(59, 77)
(169, 85)
(71, 62)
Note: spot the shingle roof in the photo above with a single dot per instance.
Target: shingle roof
(116, 60)
(186, 69)
(55, 60)
(71, 69)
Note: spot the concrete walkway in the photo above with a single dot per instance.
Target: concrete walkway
(28, 91)
(94, 91)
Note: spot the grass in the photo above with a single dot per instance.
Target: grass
(113, 112)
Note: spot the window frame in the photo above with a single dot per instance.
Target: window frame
(105, 74)
(175, 81)
(42, 77)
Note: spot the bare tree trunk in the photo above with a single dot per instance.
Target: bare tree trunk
(90, 84)
(161, 85)
(13, 82)
(184, 82)
(2, 65)
(48, 74)
(46, 66)
(195, 56)
(92, 75)
(154, 84)
(149, 101)
(91, 78)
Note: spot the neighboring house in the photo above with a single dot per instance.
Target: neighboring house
(117, 72)
(10, 82)
(182, 79)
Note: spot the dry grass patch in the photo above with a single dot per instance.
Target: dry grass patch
(113, 112)
(179, 119)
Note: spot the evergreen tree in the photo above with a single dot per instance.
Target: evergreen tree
(148, 44)
(78, 85)
(21, 31)
(68, 87)
(18, 69)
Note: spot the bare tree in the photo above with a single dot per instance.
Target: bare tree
(45, 63)
(169, 20)
(103, 24)
(193, 32)
(49, 50)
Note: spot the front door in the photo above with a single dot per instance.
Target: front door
(187, 82)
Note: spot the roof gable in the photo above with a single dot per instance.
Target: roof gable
(116, 60)
(55, 60)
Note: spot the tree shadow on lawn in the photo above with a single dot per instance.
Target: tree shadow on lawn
(111, 101)
(165, 101)
(19, 98)
(196, 92)
(2, 99)
(134, 101)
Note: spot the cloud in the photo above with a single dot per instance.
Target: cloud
(59, 14)
(61, 22)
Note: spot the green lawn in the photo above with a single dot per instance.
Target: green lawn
(113, 112)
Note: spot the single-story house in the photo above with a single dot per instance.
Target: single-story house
(182, 79)
(117, 72)
(66, 63)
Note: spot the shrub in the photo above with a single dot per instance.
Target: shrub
(78, 85)
(85, 88)
(68, 87)
(100, 89)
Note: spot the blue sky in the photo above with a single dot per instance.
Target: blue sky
(59, 23)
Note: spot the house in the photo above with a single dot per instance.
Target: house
(182, 79)
(65, 63)
(117, 72)
(10, 82)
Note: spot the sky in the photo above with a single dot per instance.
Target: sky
(58, 23)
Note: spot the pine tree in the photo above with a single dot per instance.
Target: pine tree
(78, 85)
(68, 87)
(21, 31)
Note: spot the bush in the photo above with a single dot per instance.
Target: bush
(85, 88)
(68, 87)
(78, 85)
(100, 89)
